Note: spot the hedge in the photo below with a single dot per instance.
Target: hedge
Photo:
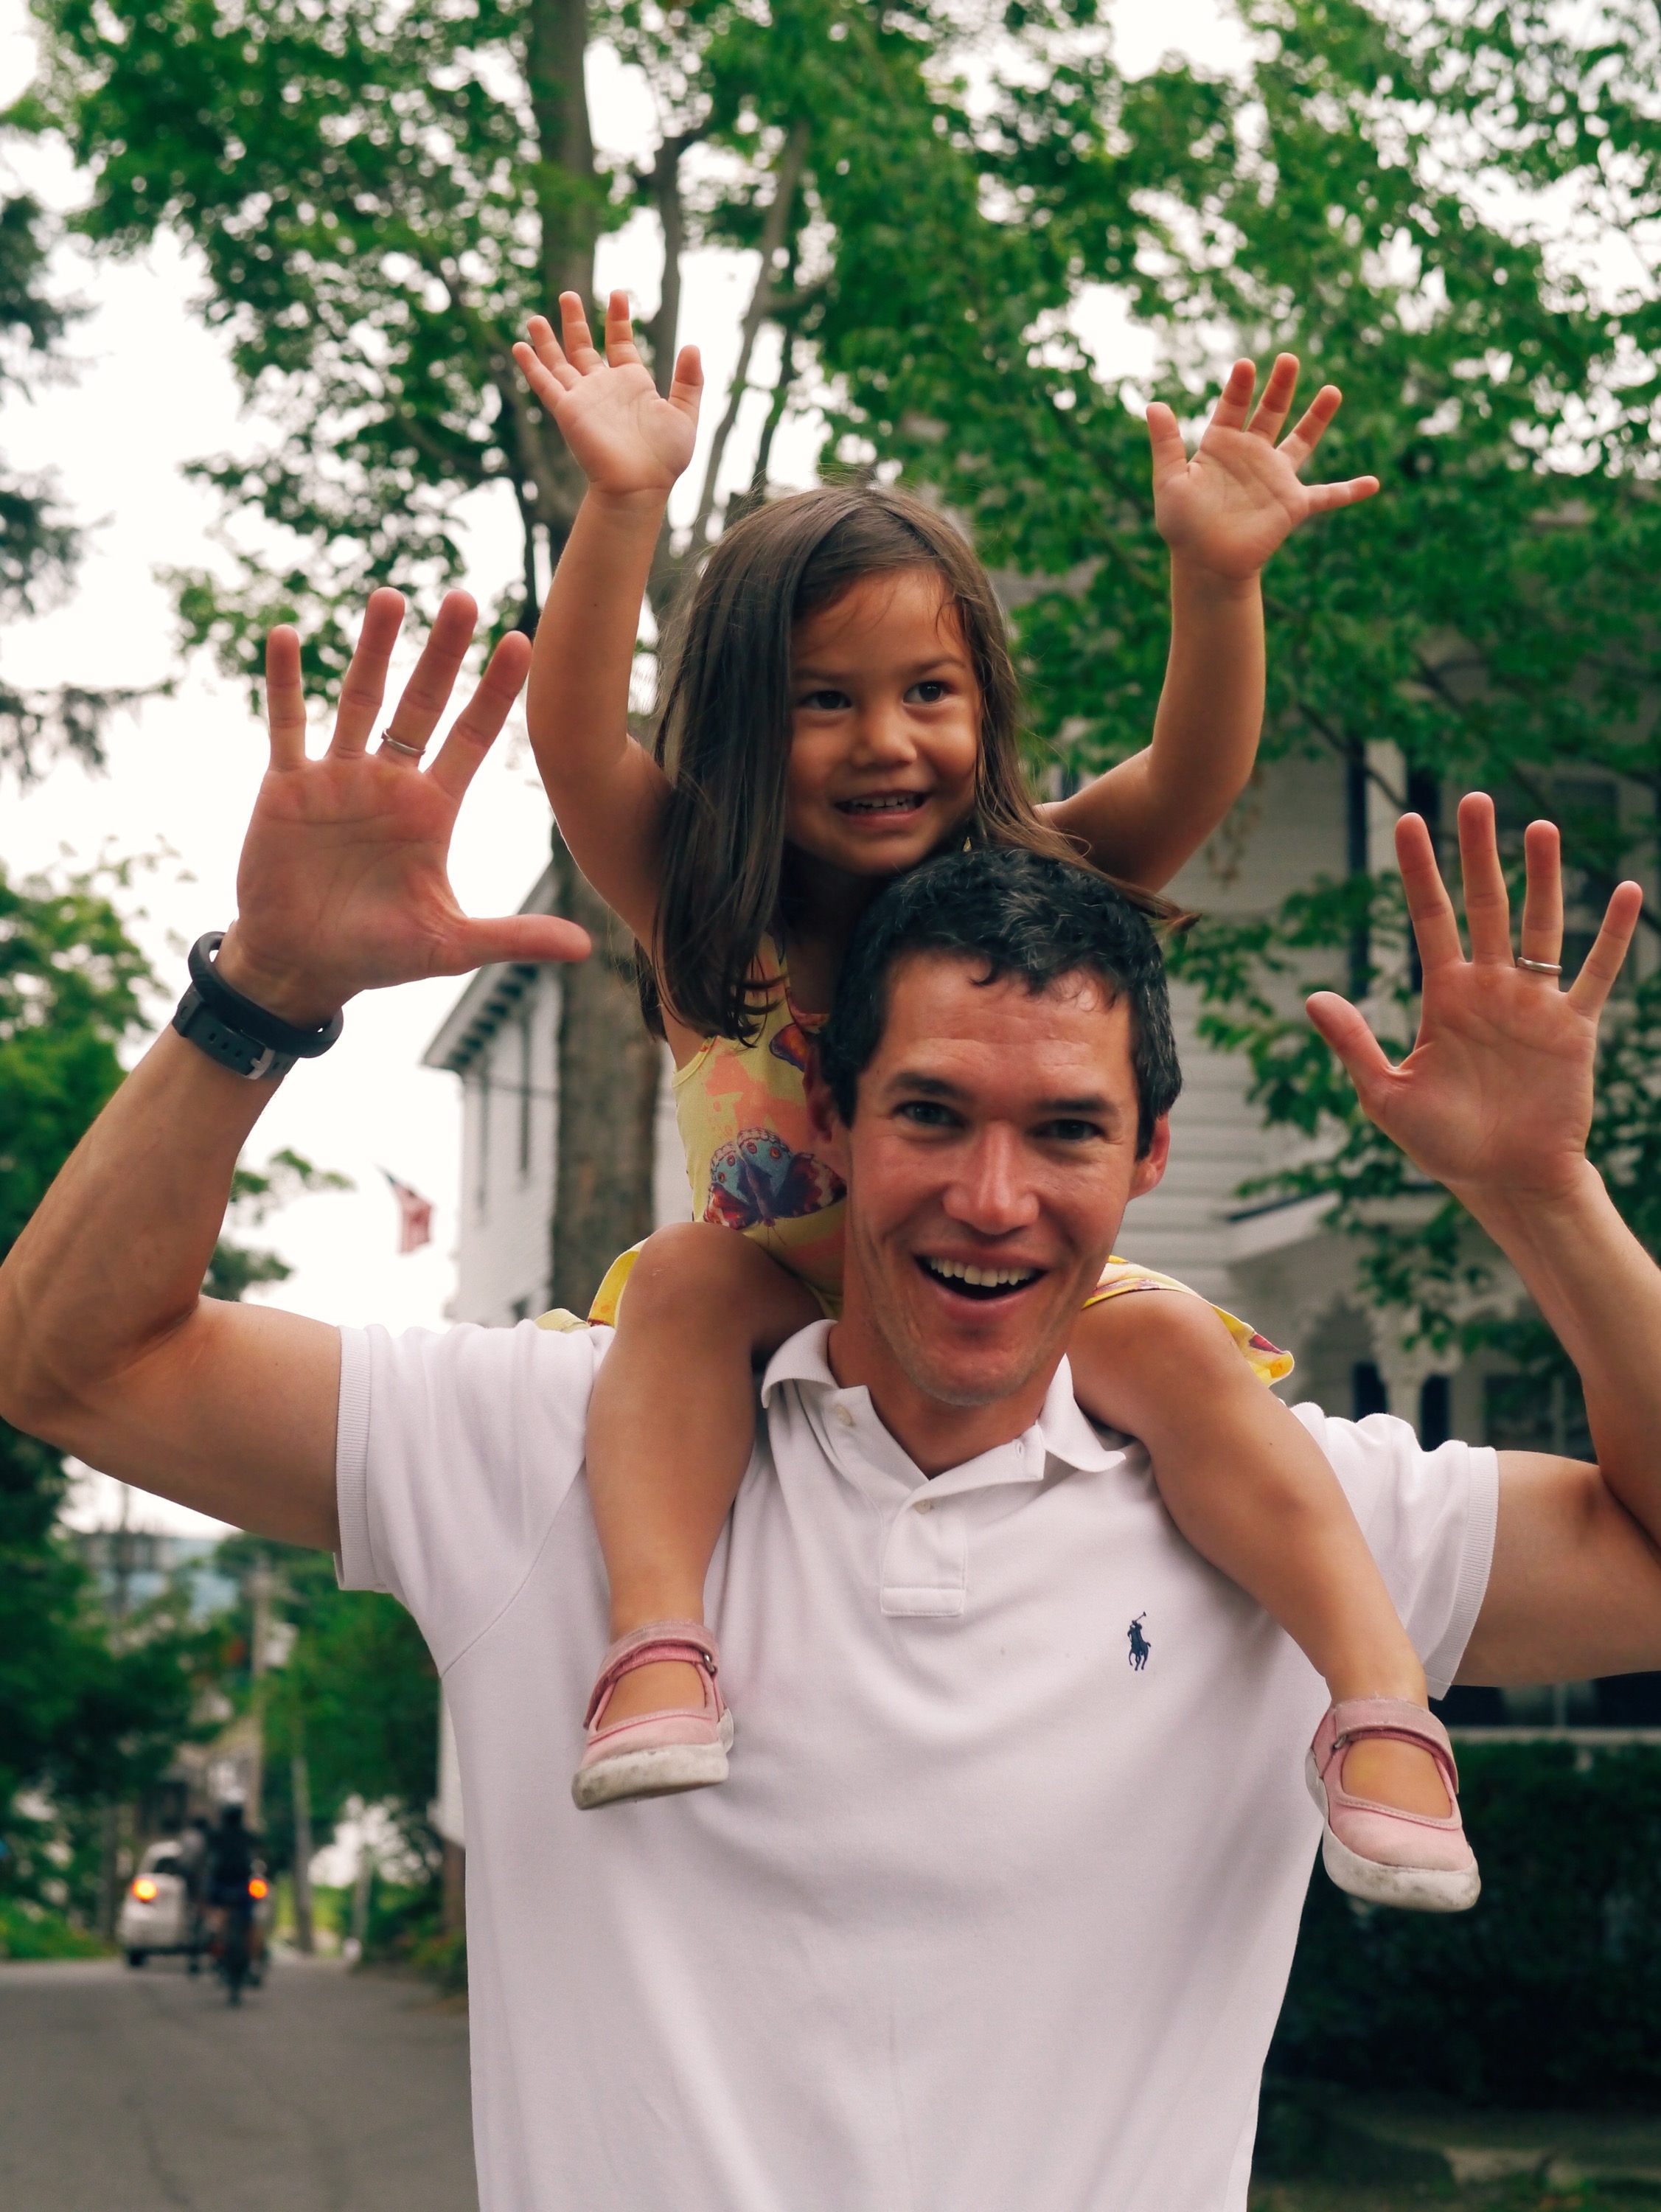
(1548, 1992)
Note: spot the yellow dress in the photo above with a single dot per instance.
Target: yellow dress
(742, 1114)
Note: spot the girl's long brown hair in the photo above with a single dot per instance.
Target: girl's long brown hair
(724, 733)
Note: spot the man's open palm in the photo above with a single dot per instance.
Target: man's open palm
(1497, 1092)
(343, 884)
(1231, 507)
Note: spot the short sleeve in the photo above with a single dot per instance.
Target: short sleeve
(1429, 1518)
(454, 1452)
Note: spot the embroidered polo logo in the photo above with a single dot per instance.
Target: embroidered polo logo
(1140, 1647)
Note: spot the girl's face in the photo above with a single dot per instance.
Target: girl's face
(886, 726)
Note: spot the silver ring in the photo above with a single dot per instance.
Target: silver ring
(1541, 967)
(397, 745)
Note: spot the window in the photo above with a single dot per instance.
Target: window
(1367, 1394)
(1435, 1419)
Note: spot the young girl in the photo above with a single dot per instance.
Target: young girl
(840, 706)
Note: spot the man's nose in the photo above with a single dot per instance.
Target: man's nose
(989, 1194)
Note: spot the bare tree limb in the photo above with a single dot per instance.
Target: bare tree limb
(773, 229)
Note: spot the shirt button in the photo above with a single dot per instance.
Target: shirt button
(845, 1416)
(926, 1505)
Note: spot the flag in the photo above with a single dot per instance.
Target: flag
(415, 1215)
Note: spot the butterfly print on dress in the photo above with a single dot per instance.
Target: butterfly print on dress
(757, 1179)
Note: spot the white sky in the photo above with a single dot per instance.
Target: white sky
(154, 390)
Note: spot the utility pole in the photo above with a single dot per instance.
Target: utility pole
(302, 1782)
(261, 1583)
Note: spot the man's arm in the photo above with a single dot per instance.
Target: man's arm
(1495, 1101)
(106, 1348)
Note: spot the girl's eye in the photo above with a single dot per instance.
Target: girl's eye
(929, 693)
(825, 702)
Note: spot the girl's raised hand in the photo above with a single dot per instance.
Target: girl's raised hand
(1240, 498)
(625, 436)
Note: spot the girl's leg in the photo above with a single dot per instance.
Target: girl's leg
(1253, 1492)
(671, 1426)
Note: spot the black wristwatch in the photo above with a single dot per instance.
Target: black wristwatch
(232, 1029)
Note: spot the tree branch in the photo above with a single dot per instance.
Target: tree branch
(773, 239)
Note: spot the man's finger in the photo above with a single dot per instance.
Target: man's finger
(1430, 911)
(1344, 1029)
(1542, 937)
(520, 936)
(1488, 903)
(285, 699)
(1603, 963)
(365, 684)
(479, 724)
(426, 694)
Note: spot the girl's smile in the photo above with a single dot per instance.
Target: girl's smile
(885, 733)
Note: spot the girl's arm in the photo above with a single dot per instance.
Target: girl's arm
(1223, 514)
(631, 443)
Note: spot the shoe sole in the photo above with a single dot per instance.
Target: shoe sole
(664, 1772)
(1409, 1889)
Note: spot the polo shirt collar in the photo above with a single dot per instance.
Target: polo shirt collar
(1061, 1434)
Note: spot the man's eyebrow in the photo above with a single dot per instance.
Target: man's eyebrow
(1086, 1105)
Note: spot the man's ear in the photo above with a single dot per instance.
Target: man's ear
(828, 1124)
(1151, 1168)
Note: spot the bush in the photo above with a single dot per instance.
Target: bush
(28, 1930)
(1549, 1991)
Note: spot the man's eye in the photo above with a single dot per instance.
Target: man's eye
(1069, 1132)
(928, 1113)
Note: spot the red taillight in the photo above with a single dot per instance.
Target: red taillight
(145, 1890)
(257, 1889)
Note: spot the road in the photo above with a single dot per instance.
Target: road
(142, 2092)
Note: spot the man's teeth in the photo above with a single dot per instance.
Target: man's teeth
(998, 1278)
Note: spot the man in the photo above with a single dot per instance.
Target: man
(998, 1908)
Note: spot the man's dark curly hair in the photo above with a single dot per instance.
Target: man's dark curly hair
(1013, 913)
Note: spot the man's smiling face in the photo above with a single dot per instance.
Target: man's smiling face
(989, 1165)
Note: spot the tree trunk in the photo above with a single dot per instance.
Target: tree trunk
(608, 1068)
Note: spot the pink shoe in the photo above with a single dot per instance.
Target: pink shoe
(1376, 1851)
(655, 1754)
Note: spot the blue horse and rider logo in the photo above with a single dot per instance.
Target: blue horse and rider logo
(1141, 1648)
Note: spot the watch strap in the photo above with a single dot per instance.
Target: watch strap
(251, 1040)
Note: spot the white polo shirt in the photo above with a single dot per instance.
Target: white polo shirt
(989, 1917)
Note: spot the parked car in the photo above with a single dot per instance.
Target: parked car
(158, 1914)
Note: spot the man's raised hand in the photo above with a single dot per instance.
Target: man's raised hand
(625, 436)
(1494, 1100)
(343, 884)
(1231, 507)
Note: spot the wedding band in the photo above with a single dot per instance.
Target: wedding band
(1541, 967)
(397, 745)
